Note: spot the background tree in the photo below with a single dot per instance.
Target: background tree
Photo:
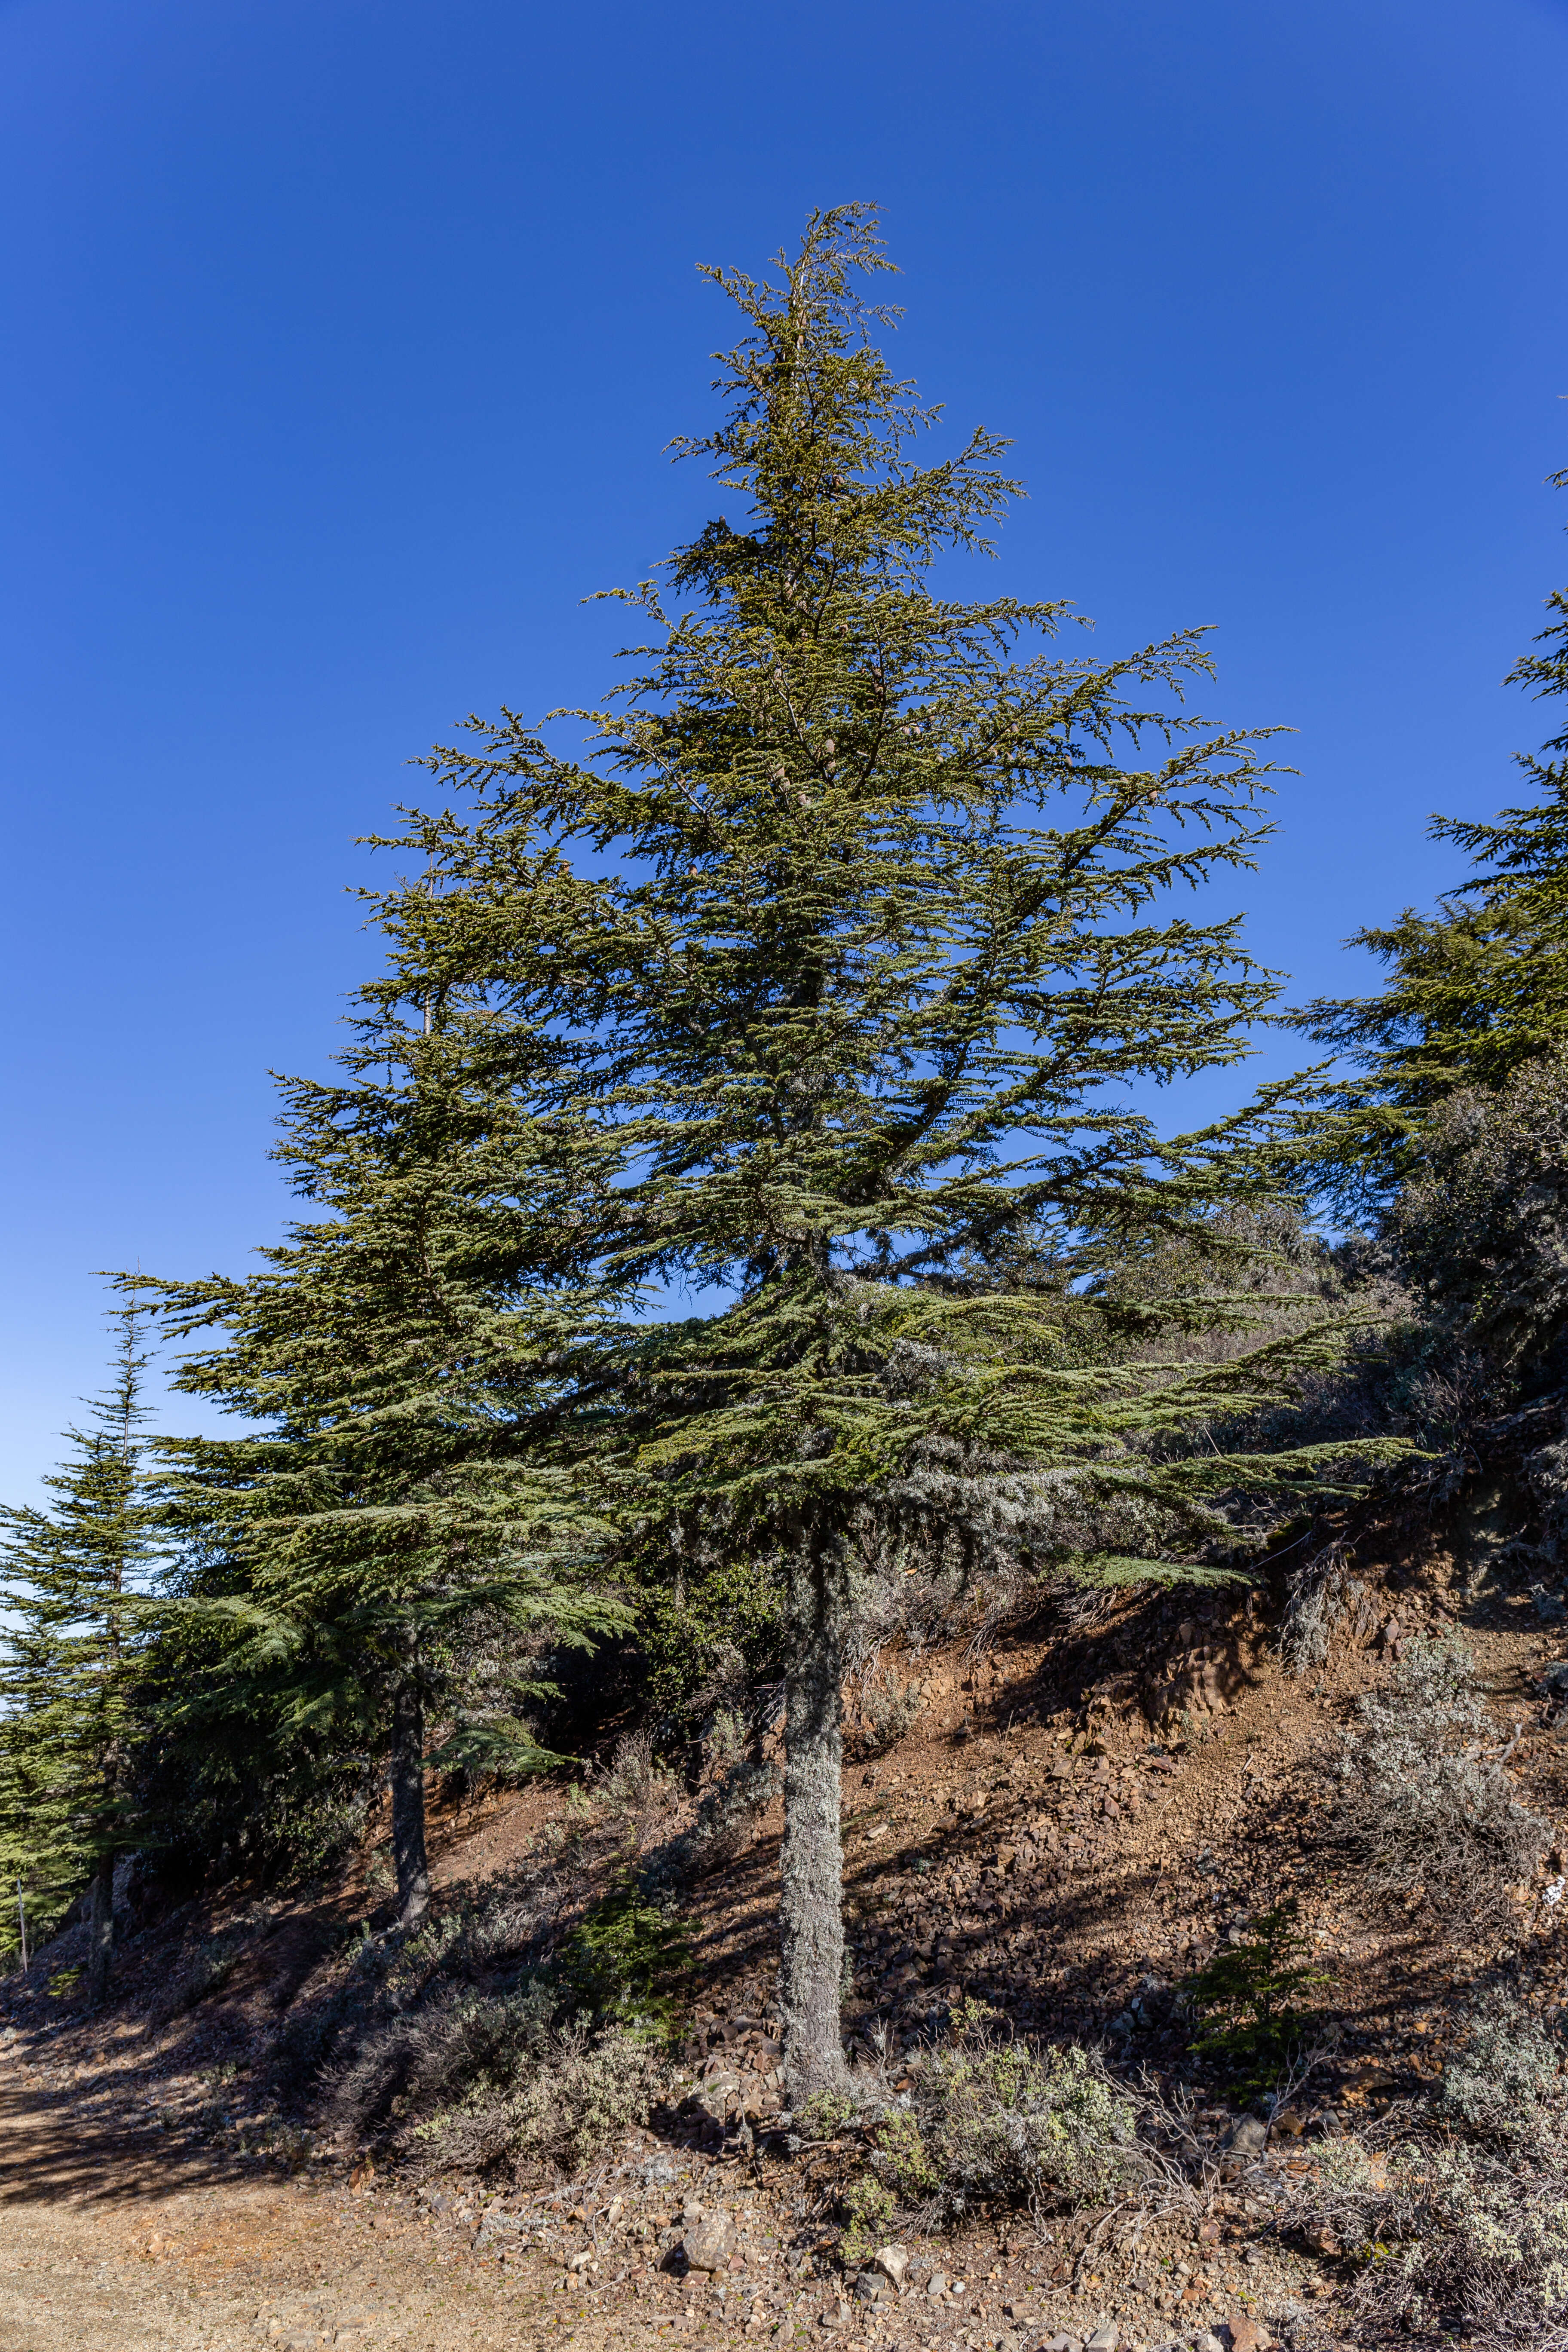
(70, 1661)
(388, 1542)
(1475, 991)
(851, 979)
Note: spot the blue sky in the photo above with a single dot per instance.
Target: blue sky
(344, 338)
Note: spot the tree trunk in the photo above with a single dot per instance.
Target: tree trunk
(811, 1906)
(100, 1930)
(409, 1800)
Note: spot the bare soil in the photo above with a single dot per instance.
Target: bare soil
(1069, 1824)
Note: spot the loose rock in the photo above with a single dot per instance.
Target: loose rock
(707, 2244)
(1246, 2335)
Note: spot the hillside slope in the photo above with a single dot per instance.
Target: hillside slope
(1073, 1820)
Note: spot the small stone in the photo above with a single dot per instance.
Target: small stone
(1062, 2344)
(936, 2285)
(1104, 2339)
(707, 2244)
(893, 2261)
(1246, 2335)
(869, 2286)
(840, 2319)
(1248, 2136)
(1207, 2342)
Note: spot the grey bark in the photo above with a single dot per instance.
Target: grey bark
(409, 1800)
(100, 1930)
(811, 1904)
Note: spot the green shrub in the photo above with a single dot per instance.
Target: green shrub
(825, 2115)
(626, 1956)
(1251, 1992)
(868, 2210)
(902, 2158)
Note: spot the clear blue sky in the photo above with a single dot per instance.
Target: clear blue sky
(343, 341)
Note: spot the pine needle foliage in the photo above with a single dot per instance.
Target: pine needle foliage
(1475, 991)
(848, 938)
(72, 1658)
(385, 1546)
(1256, 1995)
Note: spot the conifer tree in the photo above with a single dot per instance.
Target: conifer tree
(846, 941)
(70, 1661)
(390, 1544)
(1475, 991)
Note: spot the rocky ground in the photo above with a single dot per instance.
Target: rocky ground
(1071, 1821)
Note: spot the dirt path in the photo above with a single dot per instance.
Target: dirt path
(114, 2241)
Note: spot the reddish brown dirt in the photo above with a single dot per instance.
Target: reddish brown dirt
(1022, 1844)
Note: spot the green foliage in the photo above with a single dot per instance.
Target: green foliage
(1476, 992)
(1252, 1992)
(72, 1654)
(903, 2158)
(851, 944)
(1482, 1224)
(627, 1959)
(391, 1529)
(869, 2209)
(717, 1631)
(825, 2115)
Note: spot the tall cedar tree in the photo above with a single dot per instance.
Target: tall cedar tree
(1478, 989)
(850, 974)
(384, 1546)
(70, 1661)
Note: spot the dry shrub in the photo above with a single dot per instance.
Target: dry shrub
(207, 1971)
(1428, 1815)
(1507, 2082)
(1463, 2234)
(1320, 1592)
(1449, 2237)
(990, 2120)
(888, 1707)
(637, 1788)
(503, 2082)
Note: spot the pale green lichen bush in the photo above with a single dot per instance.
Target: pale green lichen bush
(557, 2096)
(1431, 1819)
(1507, 2080)
(1449, 2237)
(993, 2121)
